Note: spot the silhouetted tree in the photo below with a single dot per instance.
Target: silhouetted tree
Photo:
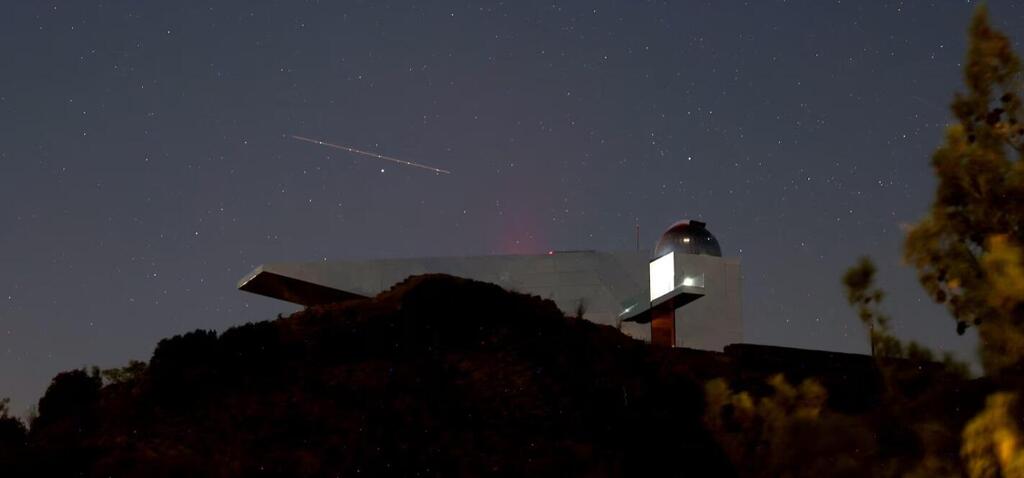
(993, 442)
(129, 373)
(789, 431)
(68, 419)
(69, 396)
(866, 298)
(967, 250)
(979, 199)
(13, 440)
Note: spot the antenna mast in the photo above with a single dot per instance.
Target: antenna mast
(638, 235)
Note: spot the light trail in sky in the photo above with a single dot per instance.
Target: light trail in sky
(372, 155)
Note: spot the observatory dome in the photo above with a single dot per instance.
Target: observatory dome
(688, 237)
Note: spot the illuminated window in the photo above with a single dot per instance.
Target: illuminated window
(663, 271)
(688, 281)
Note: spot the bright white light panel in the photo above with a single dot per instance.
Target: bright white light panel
(663, 273)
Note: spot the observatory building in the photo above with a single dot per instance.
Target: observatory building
(684, 294)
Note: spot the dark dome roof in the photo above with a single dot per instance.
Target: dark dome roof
(688, 237)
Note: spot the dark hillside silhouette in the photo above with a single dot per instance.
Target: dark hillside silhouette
(437, 377)
(441, 376)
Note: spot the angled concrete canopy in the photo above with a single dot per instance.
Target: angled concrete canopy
(281, 285)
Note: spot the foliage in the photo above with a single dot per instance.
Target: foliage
(129, 373)
(979, 197)
(1003, 268)
(788, 432)
(68, 417)
(993, 443)
(70, 394)
(5, 406)
(12, 437)
(866, 298)
(967, 252)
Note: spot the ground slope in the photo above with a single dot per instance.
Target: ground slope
(438, 376)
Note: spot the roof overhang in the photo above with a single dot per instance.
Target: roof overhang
(640, 311)
(289, 289)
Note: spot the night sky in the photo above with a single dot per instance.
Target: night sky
(145, 165)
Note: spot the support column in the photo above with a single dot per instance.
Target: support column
(663, 325)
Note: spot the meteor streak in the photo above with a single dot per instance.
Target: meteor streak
(372, 155)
